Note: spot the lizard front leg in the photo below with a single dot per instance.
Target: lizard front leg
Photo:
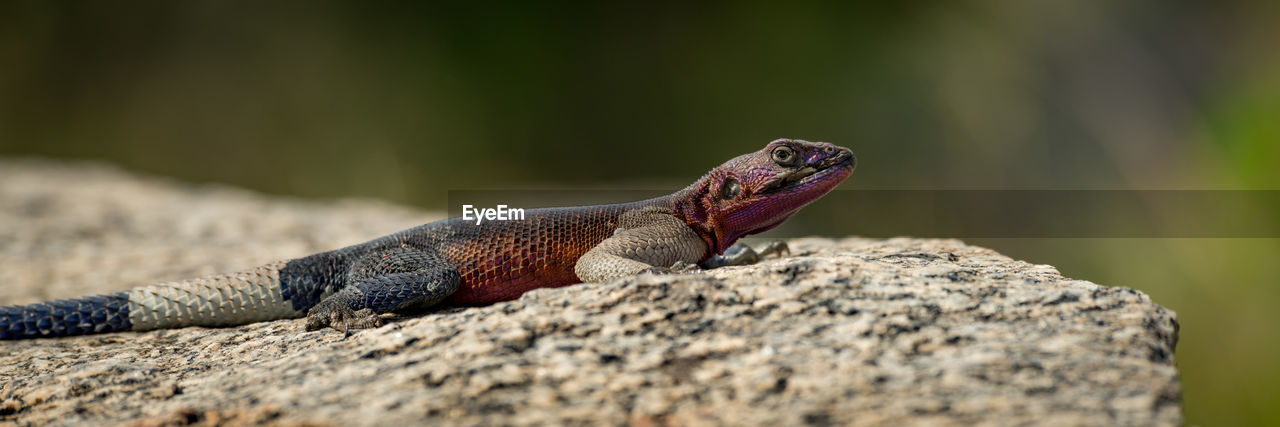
(385, 281)
(650, 239)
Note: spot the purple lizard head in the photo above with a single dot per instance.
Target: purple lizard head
(755, 192)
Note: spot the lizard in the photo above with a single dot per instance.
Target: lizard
(462, 263)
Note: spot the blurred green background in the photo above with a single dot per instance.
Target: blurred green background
(405, 101)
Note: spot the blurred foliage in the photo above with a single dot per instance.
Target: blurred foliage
(406, 100)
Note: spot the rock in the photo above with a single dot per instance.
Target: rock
(844, 331)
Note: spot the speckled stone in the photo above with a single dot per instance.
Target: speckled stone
(845, 331)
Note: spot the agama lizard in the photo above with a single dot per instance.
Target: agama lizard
(459, 262)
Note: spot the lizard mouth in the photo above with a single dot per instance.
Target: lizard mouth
(808, 174)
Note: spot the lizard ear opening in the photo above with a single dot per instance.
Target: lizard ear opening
(730, 189)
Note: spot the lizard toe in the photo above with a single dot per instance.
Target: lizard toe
(658, 271)
(684, 267)
(363, 319)
(341, 318)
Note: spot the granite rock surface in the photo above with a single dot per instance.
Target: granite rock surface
(842, 331)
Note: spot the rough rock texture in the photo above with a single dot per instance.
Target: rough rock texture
(857, 331)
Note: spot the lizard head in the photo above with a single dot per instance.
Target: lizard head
(758, 191)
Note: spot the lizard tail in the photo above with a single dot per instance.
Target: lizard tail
(224, 300)
(91, 315)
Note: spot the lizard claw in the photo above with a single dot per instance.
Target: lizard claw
(342, 318)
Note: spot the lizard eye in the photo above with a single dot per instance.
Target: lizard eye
(731, 189)
(784, 155)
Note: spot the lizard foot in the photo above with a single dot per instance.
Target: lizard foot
(684, 267)
(678, 267)
(742, 254)
(341, 318)
(776, 247)
(657, 271)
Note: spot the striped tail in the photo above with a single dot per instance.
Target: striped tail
(225, 300)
